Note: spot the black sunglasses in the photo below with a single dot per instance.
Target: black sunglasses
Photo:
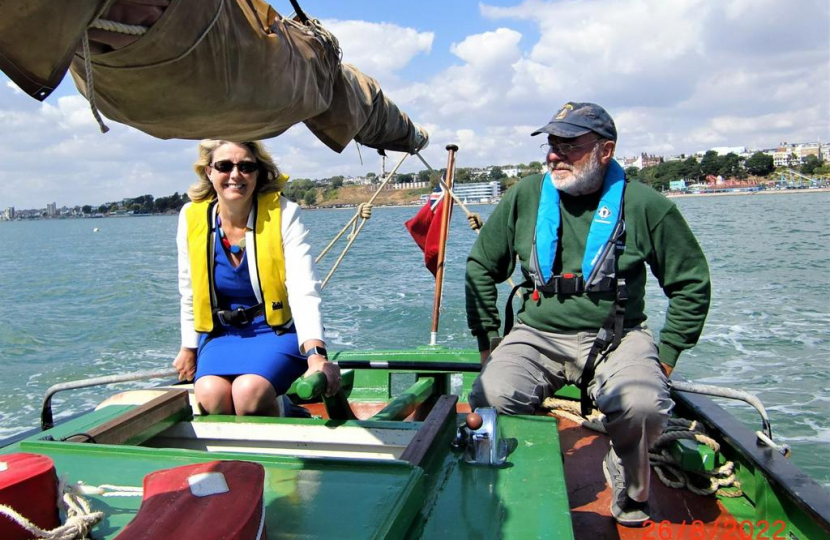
(245, 167)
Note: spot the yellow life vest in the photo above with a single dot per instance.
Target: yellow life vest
(268, 270)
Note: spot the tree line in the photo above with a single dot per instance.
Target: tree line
(144, 204)
(712, 164)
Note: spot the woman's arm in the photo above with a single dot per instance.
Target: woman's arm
(301, 279)
(303, 287)
(185, 361)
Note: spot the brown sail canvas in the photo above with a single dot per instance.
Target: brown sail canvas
(223, 69)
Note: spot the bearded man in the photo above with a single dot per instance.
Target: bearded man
(584, 235)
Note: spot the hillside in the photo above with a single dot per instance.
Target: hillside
(354, 195)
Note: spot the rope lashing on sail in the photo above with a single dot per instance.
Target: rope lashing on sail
(90, 88)
(120, 28)
(721, 480)
(109, 26)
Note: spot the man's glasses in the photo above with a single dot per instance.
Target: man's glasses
(245, 167)
(564, 149)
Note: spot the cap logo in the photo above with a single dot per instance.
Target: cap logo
(564, 111)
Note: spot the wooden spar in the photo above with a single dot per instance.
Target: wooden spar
(442, 242)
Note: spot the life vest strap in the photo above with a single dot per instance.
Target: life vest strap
(238, 317)
(607, 340)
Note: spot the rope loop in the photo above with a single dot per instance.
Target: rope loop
(720, 481)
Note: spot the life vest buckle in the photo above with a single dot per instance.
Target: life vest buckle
(238, 317)
(568, 284)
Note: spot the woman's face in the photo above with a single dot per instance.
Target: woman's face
(233, 173)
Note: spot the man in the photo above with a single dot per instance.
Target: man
(583, 236)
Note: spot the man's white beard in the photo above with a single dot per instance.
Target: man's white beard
(579, 181)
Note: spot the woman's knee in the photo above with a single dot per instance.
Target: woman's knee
(253, 394)
(214, 394)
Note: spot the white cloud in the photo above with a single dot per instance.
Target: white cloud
(379, 49)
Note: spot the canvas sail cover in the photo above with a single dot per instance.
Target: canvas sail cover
(220, 69)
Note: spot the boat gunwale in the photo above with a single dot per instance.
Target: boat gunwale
(807, 494)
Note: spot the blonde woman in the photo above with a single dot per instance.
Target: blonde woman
(250, 296)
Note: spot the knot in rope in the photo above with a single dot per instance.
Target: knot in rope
(364, 210)
(475, 221)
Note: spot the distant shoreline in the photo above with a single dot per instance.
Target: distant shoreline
(761, 192)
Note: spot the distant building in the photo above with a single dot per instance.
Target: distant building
(478, 192)
(51, 209)
(793, 155)
(724, 150)
(642, 161)
(510, 172)
(8, 213)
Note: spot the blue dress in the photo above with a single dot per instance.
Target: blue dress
(253, 349)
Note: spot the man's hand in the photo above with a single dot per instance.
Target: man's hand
(667, 369)
(185, 363)
(331, 371)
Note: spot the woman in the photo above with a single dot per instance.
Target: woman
(250, 306)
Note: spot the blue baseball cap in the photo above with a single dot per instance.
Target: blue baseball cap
(575, 119)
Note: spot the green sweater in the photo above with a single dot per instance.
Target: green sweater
(656, 234)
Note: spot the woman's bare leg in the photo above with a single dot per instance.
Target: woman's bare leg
(214, 394)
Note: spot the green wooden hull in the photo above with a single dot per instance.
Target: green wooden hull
(375, 479)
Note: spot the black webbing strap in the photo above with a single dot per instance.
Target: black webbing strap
(608, 338)
(508, 309)
(299, 12)
(238, 317)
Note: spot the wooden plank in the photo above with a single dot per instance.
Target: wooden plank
(417, 450)
(145, 420)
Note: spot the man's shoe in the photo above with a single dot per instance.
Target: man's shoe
(625, 510)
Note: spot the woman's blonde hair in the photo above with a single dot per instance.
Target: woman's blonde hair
(269, 177)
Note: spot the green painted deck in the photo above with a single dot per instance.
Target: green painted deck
(346, 498)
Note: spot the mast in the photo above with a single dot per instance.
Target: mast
(446, 211)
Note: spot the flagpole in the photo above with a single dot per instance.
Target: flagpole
(442, 242)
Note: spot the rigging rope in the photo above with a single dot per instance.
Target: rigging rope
(364, 211)
(120, 28)
(476, 223)
(90, 89)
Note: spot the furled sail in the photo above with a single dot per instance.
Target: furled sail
(221, 69)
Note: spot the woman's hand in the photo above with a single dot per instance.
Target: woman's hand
(185, 364)
(331, 371)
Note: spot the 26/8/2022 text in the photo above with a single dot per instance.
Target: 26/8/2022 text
(721, 529)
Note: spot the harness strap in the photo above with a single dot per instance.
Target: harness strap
(607, 340)
(237, 317)
(508, 310)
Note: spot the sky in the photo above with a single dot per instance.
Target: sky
(677, 76)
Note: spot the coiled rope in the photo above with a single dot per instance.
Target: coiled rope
(720, 481)
(80, 519)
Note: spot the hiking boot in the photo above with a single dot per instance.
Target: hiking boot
(625, 510)
(421, 138)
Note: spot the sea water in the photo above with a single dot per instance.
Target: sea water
(77, 303)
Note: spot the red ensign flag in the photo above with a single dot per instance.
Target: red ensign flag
(425, 229)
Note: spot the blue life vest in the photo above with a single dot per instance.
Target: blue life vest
(607, 228)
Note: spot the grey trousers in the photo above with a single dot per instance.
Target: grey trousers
(629, 388)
